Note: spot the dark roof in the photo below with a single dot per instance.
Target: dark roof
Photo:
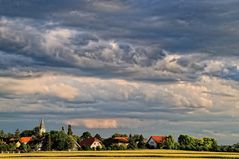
(121, 139)
(89, 141)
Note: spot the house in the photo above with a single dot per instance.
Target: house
(154, 141)
(91, 142)
(25, 140)
(121, 140)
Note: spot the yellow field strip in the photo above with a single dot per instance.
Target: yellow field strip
(139, 154)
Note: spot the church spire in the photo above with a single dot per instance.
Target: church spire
(42, 128)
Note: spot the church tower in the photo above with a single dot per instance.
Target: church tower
(42, 128)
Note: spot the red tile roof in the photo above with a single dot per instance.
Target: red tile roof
(122, 139)
(159, 139)
(89, 141)
(25, 139)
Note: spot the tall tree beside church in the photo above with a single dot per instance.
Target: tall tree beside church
(69, 132)
(49, 143)
(17, 134)
(63, 129)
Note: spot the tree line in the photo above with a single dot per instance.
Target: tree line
(60, 140)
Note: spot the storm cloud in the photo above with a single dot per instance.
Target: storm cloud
(171, 64)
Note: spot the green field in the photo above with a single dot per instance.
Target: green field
(139, 154)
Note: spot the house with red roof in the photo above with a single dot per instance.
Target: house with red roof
(154, 141)
(91, 142)
(25, 140)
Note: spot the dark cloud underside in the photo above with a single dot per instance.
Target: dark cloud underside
(173, 64)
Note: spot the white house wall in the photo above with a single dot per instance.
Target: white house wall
(96, 144)
(151, 142)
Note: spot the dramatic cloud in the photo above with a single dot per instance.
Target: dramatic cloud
(45, 85)
(130, 65)
(204, 93)
(59, 46)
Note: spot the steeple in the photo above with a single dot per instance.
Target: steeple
(42, 128)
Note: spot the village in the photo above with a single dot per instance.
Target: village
(39, 139)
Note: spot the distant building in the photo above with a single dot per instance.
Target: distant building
(154, 141)
(42, 128)
(121, 140)
(25, 140)
(91, 142)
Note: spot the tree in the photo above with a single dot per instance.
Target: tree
(86, 148)
(36, 131)
(48, 143)
(59, 140)
(85, 135)
(170, 143)
(63, 129)
(11, 147)
(2, 134)
(27, 133)
(132, 144)
(236, 147)
(108, 143)
(199, 145)
(10, 135)
(209, 144)
(186, 142)
(17, 134)
(69, 132)
(119, 135)
(135, 140)
(141, 144)
(25, 148)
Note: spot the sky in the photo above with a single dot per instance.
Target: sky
(155, 67)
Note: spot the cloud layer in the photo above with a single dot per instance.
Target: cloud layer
(109, 65)
(204, 93)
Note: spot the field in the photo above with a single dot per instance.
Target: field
(139, 154)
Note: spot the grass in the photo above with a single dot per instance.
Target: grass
(137, 154)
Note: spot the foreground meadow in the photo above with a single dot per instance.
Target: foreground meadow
(139, 154)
